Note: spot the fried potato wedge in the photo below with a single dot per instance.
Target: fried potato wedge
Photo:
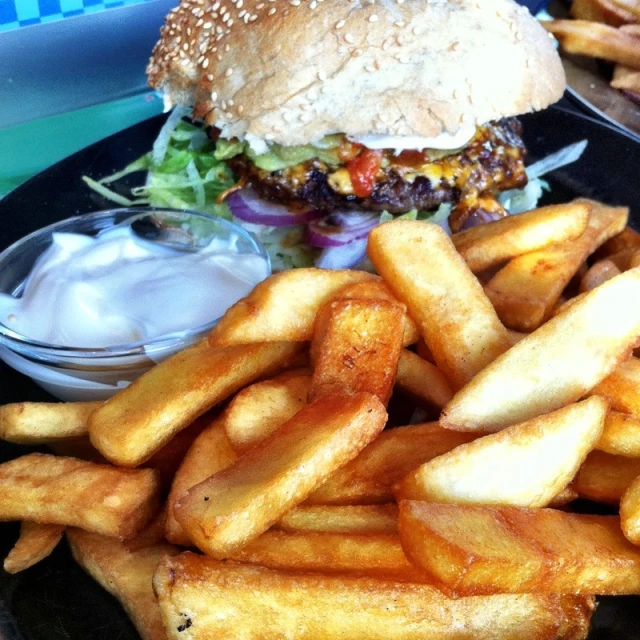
(131, 426)
(628, 238)
(260, 409)
(34, 423)
(626, 79)
(124, 574)
(35, 543)
(357, 347)
(630, 512)
(622, 387)
(232, 507)
(482, 550)
(487, 245)
(54, 490)
(621, 435)
(211, 452)
(597, 274)
(282, 307)
(595, 40)
(526, 465)
(555, 365)
(378, 290)
(375, 555)
(604, 477)
(606, 11)
(526, 291)
(423, 269)
(369, 478)
(361, 518)
(202, 598)
(422, 381)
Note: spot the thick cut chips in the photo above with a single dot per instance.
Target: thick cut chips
(604, 477)
(526, 465)
(66, 491)
(526, 291)
(369, 478)
(357, 345)
(622, 387)
(139, 420)
(422, 381)
(482, 550)
(630, 512)
(487, 245)
(282, 307)
(234, 506)
(423, 269)
(44, 422)
(126, 575)
(211, 452)
(555, 365)
(621, 435)
(361, 518)
(35, 543)
(201, 598)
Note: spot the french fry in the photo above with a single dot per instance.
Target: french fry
(66, 491)
(378, 290)
(604, 477)
(606, 11)
(124, 574)
(211, 452)
(487, 245)
(595, 40)
(621, 435)
(526, 465)
(422, 268)
(630, 512)
(42, 422)
(357, 348)
(525, 291)
(282, 307)
(567, 495)
(599, 273)
(35, 543)
(626, 239)
(622, 259)
(369, 478)
(375, 555)
(362, 518)
(260, 409)
(229, 509)
(483, 550)
(213, 599)
(555, 365)
(152, 534)
(131, 426)
(626, 79)
(422, 381)
(622, 387)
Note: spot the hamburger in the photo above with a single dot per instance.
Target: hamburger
(335, 114)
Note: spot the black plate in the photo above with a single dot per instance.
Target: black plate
(55, 599)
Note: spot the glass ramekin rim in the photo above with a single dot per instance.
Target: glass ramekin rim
(43, 351)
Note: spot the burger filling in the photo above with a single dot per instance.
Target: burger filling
(338, 174)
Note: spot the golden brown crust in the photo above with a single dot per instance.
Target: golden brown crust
(293, 71)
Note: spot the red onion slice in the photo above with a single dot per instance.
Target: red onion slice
(246, 205)
(481, 216)
(345, 256)
(340, 228)
(632, 95)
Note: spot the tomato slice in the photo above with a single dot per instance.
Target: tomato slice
(363, 169)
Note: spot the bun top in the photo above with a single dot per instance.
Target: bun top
(293, 71)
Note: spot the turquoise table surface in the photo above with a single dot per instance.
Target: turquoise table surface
(31, 147)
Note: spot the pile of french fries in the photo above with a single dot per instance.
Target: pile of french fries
(254, 486)
(605, 29)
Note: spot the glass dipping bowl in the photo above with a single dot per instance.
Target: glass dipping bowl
(74, 374)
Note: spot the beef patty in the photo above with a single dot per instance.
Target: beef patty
(493, 161)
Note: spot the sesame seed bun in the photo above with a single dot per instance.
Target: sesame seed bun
(293, 71)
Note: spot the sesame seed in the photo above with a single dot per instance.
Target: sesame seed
(228, 72)
(224, 105)
(376, 64)
(199, 23)
(313, 4)
(210, 79)
(228, 115)
(205, 63)
(246, 18)
(322, 76)
(295, 3)
(229, 24)
(349, 38)
(240, 109)
(227, 47)
(253, 18)
(399, 24)
(305, 118)
(340, 24)
(219, 56)
(185, 46)
(356, 53)
(373, 18)
(269, 136)
(239, 4)
(260, 6)
(454, 46)
(230, 102)
(226, 16)
(519, 36)
(399, 40)
(415, 31)
(241, 14)
(271, 11)
(385, 45)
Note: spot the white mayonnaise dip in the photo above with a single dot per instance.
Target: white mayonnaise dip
(116, 289)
